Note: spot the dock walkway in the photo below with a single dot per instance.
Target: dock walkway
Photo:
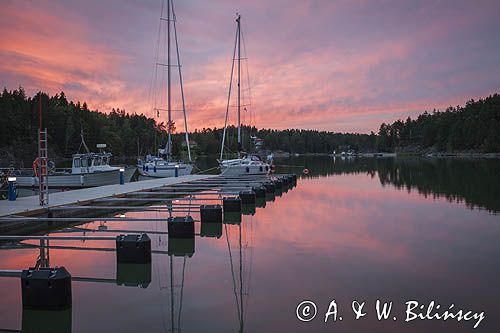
(30, 205)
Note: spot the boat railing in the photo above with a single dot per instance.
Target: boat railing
(28, 172)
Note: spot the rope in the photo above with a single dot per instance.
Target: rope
(202, 171)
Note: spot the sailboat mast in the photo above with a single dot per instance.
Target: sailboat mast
(240, 147)
(169, 110)
(180, 83)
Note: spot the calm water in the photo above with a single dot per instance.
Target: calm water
(367, 229)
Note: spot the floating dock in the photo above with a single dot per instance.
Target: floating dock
(210, 200)
(175, 195)
(28, 206)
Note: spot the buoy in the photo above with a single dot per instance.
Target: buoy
(211, 214)
(35, 166)
(181, 247)
(247, 197)
(248, 209)
(180, 227)
(260, 191)
(270, 188)
(133, 249)
(232, 217)
(286, 181)
(260, 202)
(211, 230)
(231, 205)
(305, 171)
(133, 275)
(46, 288)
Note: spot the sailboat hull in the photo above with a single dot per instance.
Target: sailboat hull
(241, 170)
(165, 171)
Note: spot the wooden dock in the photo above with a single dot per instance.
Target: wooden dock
(27, 206)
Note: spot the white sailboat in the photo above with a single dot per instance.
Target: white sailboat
(163, 165)
(246, 163)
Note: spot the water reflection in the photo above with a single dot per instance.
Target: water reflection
(473, 181)
(344, 236)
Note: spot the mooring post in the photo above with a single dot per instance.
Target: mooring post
(12, 188)
(176, 171)
(122, 176)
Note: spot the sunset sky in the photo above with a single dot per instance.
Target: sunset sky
(320, 64)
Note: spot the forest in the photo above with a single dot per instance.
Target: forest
(473, 127)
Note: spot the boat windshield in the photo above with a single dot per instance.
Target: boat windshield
(91, 159)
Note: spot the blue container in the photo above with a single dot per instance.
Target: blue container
(12, 190)
(122, 176)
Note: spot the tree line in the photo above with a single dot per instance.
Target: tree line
(123, 133)
(476, 126)
(473, 127)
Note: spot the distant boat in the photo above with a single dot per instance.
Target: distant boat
(88, 170)
(246, 163)
(163, 165)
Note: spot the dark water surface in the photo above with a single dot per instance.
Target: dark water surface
(365, 229)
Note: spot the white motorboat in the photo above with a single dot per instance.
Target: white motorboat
(88, 170)
(245, 164)
(164, 165)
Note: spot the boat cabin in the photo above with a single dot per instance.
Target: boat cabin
(91, 162)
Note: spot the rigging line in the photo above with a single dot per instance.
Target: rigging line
(169, 123)
(240, 144)
(154, 72)
(157, 269)
(251, 263)
(158, 91)
(228, 99)
(159, 99)
(248, 77)
(180, 82)
(232, 272)
(182, 292)
(172, 293)
(241, 283)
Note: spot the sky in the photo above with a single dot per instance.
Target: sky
(343, 66)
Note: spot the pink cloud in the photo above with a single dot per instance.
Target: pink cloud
(339, 66)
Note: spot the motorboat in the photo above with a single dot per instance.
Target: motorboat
(88, 170)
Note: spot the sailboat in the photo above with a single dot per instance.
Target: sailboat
(163, 164)
(245, 164)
